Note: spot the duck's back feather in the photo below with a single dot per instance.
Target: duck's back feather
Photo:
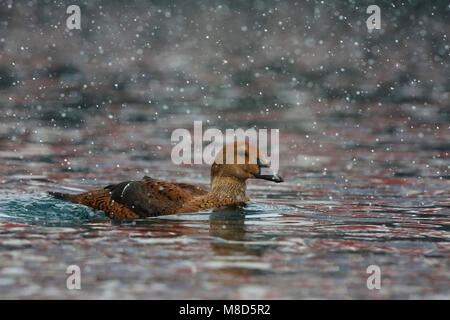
(137, 199)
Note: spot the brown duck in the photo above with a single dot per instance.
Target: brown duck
(152, 197)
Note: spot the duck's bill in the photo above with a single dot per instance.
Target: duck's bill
(269, 176)
(266, 173)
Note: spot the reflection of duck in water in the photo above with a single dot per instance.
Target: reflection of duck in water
(235, 250)
(152, 197)
(228, 225)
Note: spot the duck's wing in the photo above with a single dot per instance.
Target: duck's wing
(132, 195)
(152, 197)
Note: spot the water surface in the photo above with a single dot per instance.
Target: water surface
(351, 200)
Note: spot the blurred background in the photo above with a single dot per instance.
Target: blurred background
(143, 68)
(364, 119)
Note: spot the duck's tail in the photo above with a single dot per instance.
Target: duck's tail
(62, 196)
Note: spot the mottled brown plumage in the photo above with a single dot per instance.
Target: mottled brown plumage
(152, 197)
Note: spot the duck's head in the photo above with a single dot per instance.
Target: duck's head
(242, 161)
